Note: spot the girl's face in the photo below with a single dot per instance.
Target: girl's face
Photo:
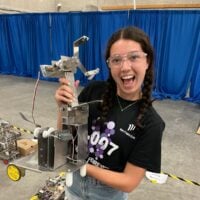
(128, 65)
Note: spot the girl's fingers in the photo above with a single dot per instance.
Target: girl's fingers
(76, 83)
(64, 81)
(64, 94)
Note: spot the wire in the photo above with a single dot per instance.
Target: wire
(33, 104)
(34, 95)
(73, 144)
(74, 160)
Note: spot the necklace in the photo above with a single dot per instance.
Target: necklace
(126, 107)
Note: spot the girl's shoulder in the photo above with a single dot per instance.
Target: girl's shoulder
(152, 117)
(93, 91)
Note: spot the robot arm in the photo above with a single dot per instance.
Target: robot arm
(67, 67)
(68, 64)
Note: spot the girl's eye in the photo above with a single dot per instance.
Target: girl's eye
(133, 57)
(116, 60)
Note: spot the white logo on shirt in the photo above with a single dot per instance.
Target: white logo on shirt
(131, 127)
(128, 134)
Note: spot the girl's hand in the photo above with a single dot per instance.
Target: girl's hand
(64, 94)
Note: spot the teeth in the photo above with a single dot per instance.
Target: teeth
(127, 77)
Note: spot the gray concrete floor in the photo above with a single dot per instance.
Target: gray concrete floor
(180, 154)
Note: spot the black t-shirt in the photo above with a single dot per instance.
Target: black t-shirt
(118, 141)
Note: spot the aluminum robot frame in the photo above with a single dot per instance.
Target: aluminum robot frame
(68, 147)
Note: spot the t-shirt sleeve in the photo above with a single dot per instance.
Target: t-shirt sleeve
(147, 151)
(92, 91)
(83, 96)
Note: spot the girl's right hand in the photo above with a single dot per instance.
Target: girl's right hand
(64, 94)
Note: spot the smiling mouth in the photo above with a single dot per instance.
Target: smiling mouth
(128, 80)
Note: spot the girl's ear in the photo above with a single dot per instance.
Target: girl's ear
(147, 66)
(148, 62)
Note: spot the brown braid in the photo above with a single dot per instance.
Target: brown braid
(108, 97)
(146, 97)
(135, 34)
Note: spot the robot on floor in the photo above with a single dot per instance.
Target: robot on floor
(8, 142)
(54, 189)
(69, 146)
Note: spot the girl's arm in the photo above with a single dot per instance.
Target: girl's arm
(125, 181)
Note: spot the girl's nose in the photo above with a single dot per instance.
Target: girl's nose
(125, 63)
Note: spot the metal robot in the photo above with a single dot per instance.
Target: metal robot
(69, 146)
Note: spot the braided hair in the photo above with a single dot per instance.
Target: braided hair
(137, 35)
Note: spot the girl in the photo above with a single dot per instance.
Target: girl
(124, 130)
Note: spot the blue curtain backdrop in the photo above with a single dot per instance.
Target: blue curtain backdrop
(29, 40)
